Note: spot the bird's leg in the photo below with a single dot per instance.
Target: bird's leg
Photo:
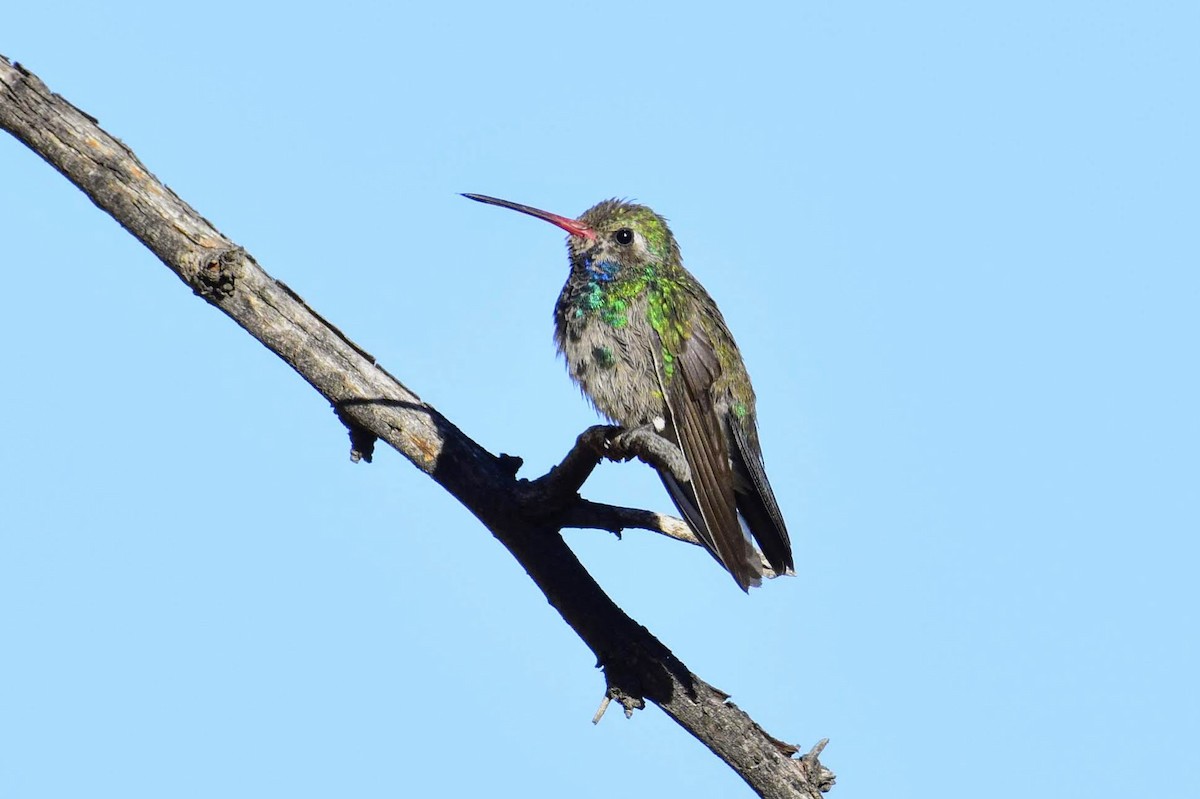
(645, 443)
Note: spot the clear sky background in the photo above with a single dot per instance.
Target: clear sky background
(957, 244)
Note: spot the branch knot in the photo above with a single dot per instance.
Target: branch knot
(217, 276)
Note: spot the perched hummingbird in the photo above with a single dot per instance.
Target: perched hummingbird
(649, 348)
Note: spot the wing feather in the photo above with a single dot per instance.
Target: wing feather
(708, 502)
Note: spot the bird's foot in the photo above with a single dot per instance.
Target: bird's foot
(647, 445)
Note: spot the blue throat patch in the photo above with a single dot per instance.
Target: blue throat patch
(601, 271)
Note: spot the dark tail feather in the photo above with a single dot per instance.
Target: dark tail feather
(746, 572)
(756, 502)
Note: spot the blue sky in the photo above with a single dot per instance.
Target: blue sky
(956, 243)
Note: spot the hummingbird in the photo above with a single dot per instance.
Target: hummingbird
(647, 345)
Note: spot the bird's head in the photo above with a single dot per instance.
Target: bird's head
(610, 238)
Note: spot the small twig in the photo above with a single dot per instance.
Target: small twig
(362, 441)
(585, 514)
(817, 774)
(603, 707)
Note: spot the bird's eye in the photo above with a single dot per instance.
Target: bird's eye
(624, 236)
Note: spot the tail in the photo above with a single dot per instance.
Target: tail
(756, 501)
(732, 550)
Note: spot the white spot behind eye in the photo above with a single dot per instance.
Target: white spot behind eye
(660, 423)
(639, 242)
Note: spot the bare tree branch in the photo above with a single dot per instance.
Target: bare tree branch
(525, 516)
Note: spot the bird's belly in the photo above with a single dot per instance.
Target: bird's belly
(616, 370)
